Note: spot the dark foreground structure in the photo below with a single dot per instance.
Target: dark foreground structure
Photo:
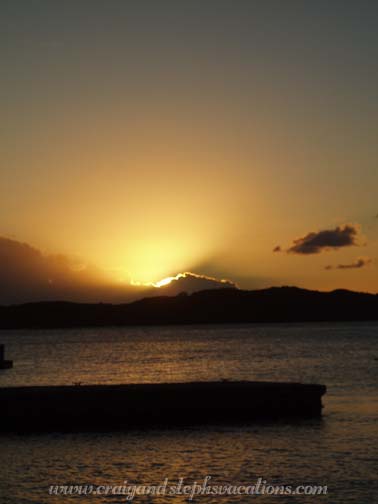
(91, 407)
(4, 364)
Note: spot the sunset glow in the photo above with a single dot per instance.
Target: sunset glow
(164, 281)
(160, 283)
(188, 250)
(145, 154)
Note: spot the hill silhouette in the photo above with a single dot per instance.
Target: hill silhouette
(276, 304)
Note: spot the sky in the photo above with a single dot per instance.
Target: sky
(233, 139)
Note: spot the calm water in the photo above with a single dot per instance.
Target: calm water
(339, 451)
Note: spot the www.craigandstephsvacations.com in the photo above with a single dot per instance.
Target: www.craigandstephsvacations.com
(190, 490)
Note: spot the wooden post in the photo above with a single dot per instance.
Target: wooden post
(4, 364)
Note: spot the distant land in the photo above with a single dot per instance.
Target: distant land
(219, 306)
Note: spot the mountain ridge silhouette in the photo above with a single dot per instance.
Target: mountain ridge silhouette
(215, 306)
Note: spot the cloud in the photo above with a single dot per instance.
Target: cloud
(27, 275)
(192, 282)
(327, 239)
(361, 262)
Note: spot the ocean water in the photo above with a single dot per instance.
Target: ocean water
(339, 450)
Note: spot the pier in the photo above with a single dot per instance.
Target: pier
(107, 407)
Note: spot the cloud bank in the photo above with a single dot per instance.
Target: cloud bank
(27, 275)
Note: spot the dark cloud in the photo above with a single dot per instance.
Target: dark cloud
(191, 282)
(28, 275)
(358, 263)
(277, 249)
(327, 239)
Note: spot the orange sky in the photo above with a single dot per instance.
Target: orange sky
(197, 137)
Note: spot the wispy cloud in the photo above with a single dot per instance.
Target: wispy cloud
(360, 262)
